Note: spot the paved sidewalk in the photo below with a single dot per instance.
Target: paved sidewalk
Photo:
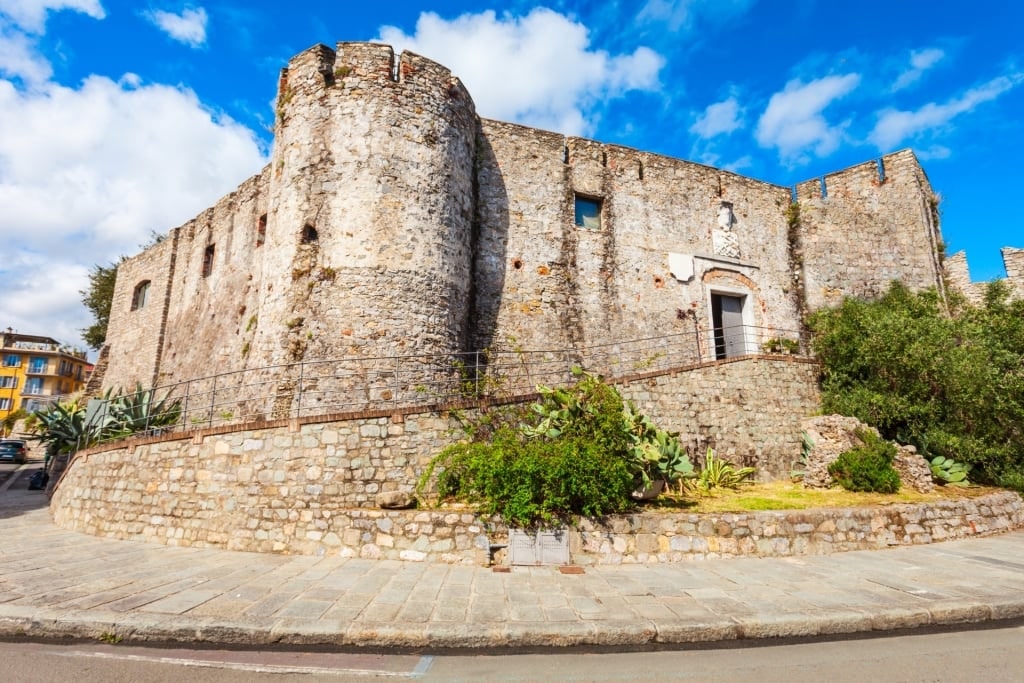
(56, 583)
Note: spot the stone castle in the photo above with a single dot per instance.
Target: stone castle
(392, 220)
(394, 224)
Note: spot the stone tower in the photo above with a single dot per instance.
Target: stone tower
(368, 233)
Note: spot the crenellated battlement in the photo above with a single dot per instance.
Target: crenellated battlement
(958, 274)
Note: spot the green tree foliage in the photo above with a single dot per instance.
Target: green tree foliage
(97, 297)
(951, 383)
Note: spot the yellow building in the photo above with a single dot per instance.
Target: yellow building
(36, 371)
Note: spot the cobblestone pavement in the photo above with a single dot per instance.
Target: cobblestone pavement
(56, 583)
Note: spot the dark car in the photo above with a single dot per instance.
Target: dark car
(13, 450)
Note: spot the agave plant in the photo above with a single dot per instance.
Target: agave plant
(63, 428)
(950, 472)
(718, 473)
(131, 413)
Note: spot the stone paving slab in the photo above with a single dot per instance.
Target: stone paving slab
(57, 583)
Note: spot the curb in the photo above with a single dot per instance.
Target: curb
(19, 622)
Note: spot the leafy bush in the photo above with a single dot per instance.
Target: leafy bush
(536, 482)
(718, 473)
(579, 450)
(868, 467)
(950, 382)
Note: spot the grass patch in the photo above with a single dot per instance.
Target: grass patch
(784, 495)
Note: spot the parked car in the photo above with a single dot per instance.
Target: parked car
(13, 450)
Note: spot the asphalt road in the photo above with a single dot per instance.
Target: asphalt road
(990, 655)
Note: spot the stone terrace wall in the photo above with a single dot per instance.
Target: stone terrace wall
(749, 411)
(654, 537)
(297, 486)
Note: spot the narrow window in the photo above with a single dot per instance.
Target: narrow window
(588, 213)
(12, 361)
(208, 261)
(141, 295)
(261, 231)
(5, 404)
(309, 234)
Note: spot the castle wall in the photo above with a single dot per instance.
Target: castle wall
(543, 282)
(866, 228)
(1013, 260)
(215, 304)
(958, 275)
(135, 334)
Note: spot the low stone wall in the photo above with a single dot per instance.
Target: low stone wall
(656, 537)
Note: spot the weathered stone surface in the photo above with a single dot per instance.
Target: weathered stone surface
(830, 436)
(914, 470)
(395, 500)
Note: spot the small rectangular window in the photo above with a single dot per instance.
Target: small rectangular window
(588, 213)
(37, 366)
(261, 231)
(12, 361)
(8, 382)
(141, 295)
(5, 404)
(208, 260)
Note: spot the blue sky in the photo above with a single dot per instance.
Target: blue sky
(118, 119)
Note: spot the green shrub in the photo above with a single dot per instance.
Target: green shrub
(534, 483)
(947, 379)
(579, 450)
(867, 468)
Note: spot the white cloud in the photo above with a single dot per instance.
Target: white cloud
(794, 121)
(894, 126)
(89, 172)
(30, 15)
(19, 59)
(920, 61)
(720, 118)
(682, 14)
(538, 69)
(189, 27)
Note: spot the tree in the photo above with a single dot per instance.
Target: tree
(949, 382)
(97, 297)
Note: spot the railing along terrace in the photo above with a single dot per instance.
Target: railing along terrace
(341, 385)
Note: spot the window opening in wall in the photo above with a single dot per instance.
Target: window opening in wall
(588, 213)
(261, 230)
(727, 319)
(5, 404)
(309, 234)
(141, 295)
(37, 366)
(8, 382)
(12, 361)
(208, 260)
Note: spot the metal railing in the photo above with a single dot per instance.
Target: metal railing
(340, 385)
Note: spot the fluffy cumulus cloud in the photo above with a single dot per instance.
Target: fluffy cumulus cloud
(189, 27)
(89, 172)
(920, 62)
(794, 121)
(895, 126)
(720, 118)
(538, 69)
(683, 14)
(30, 15)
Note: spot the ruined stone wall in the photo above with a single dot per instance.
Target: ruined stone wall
(868, 225)
(1013, 259)
(543, 282)
(135, 334)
